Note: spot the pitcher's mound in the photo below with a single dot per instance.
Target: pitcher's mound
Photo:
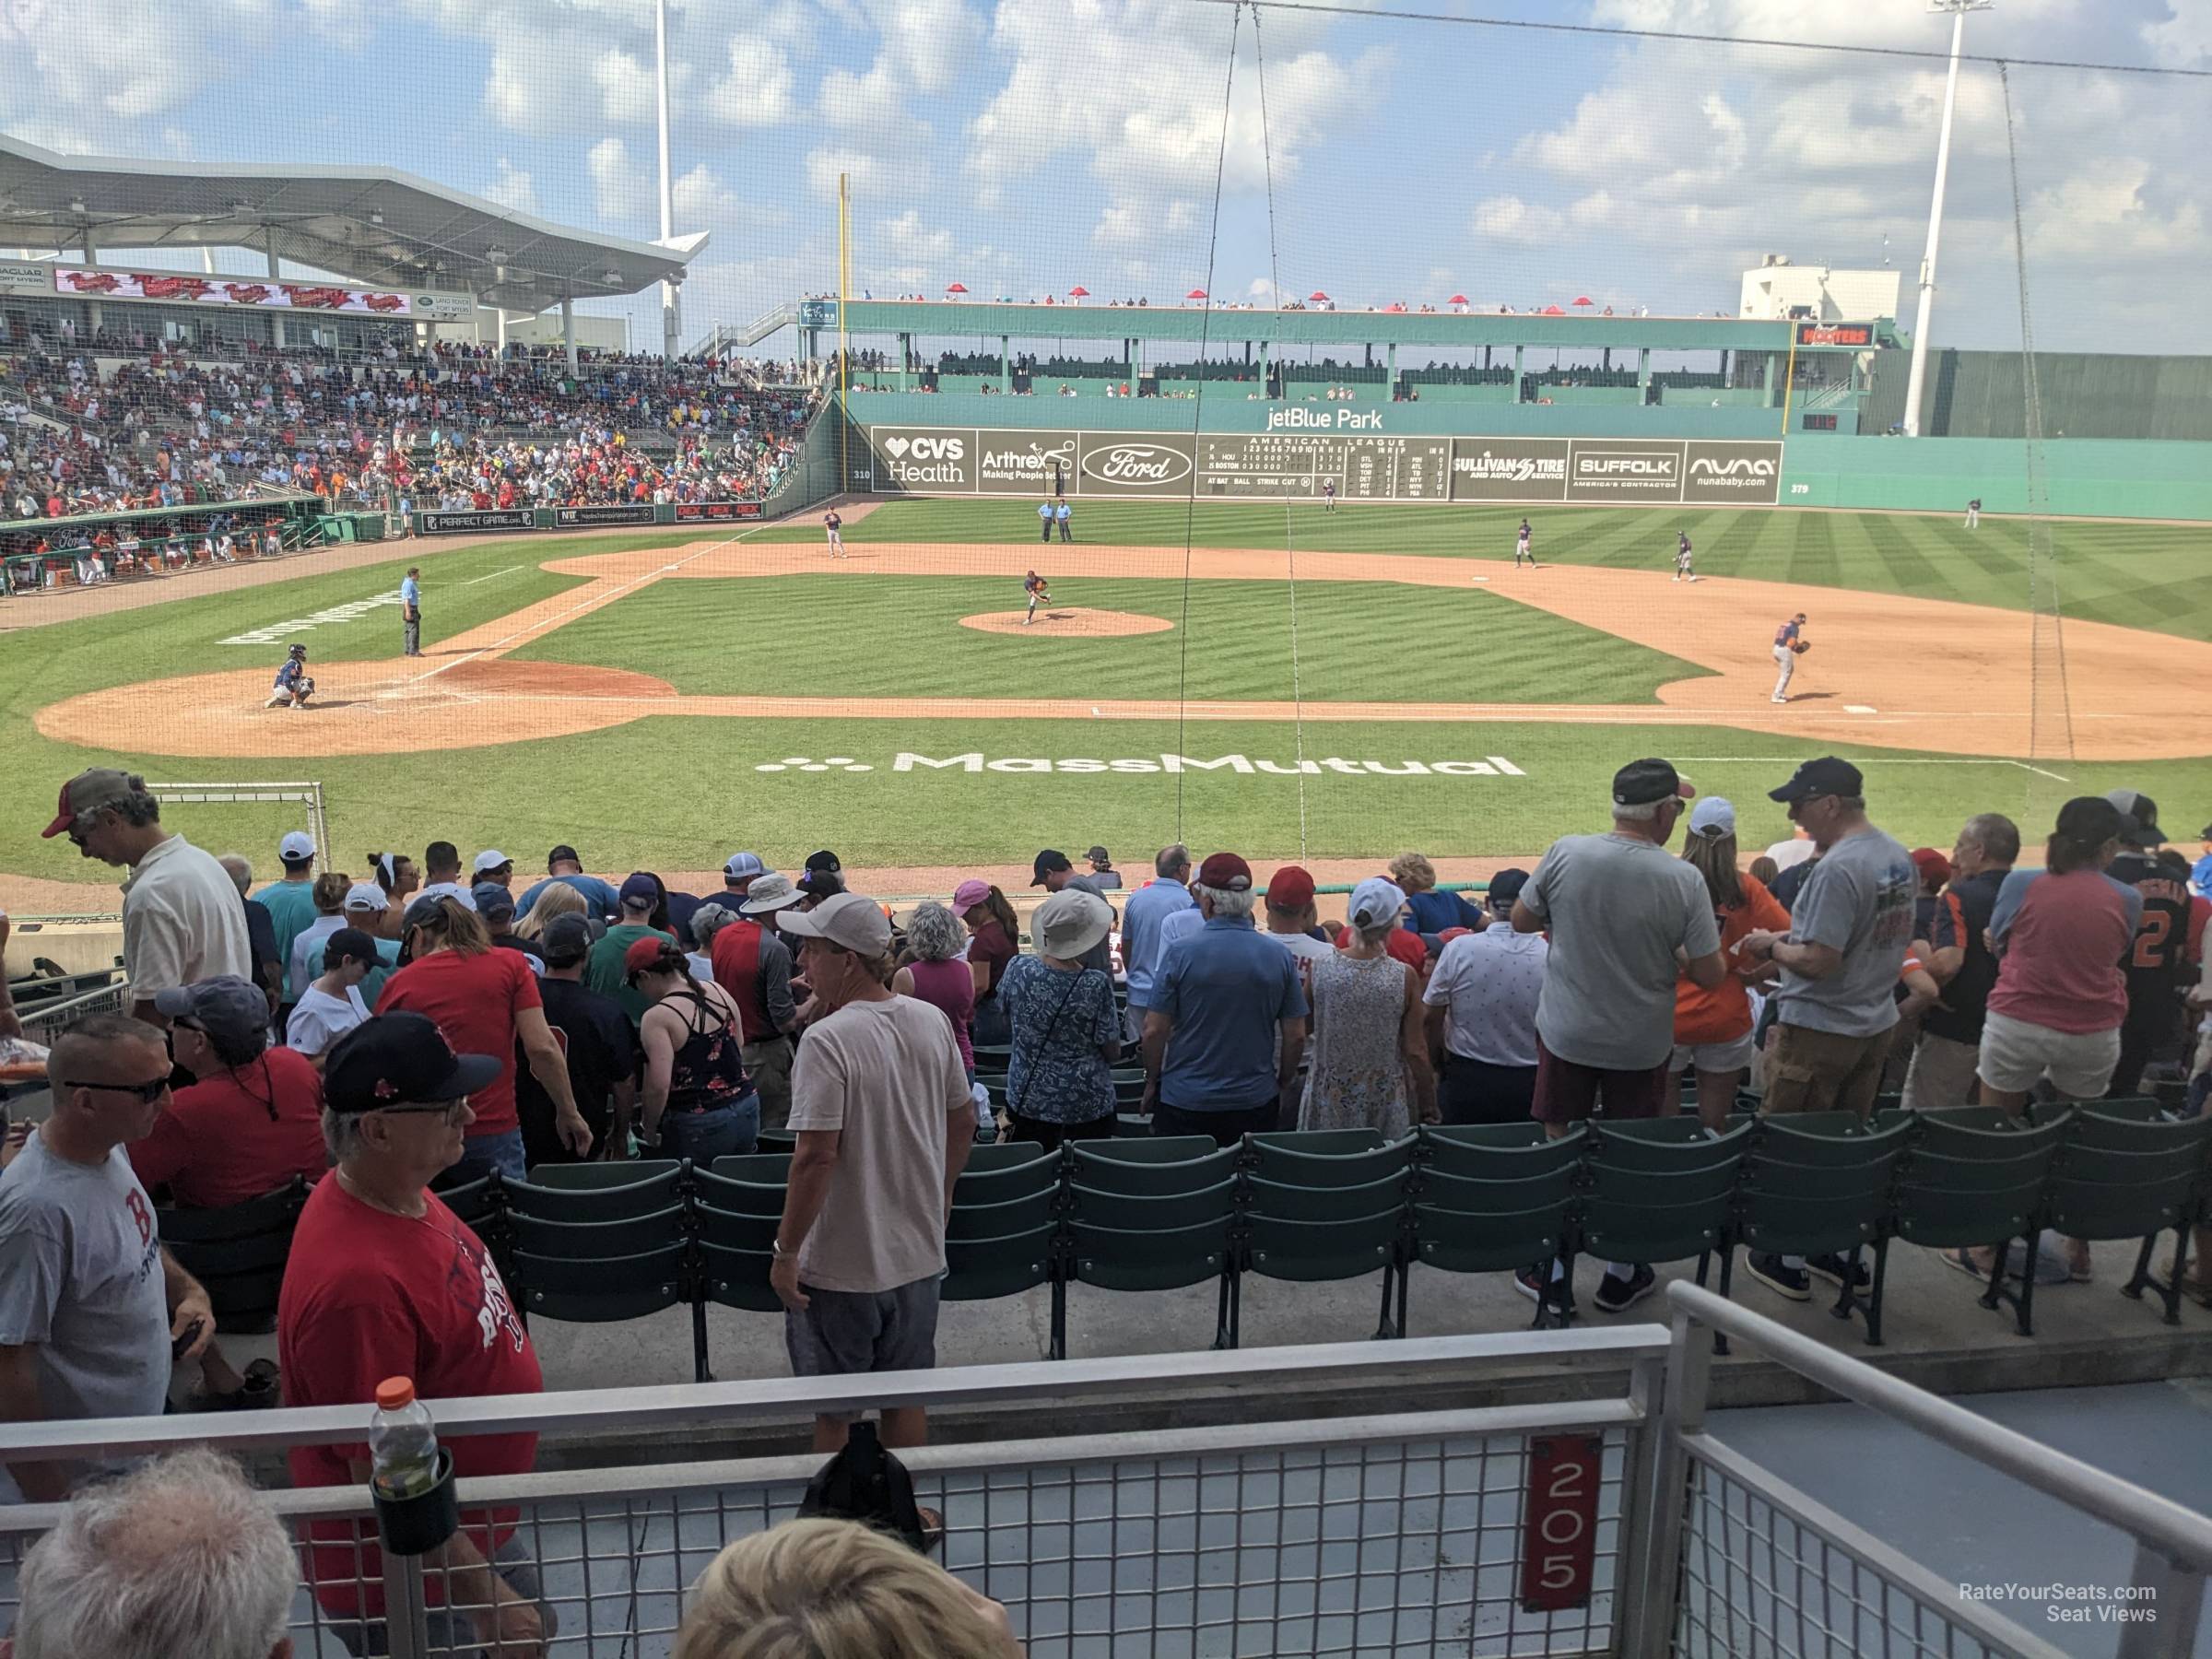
(1064, 621)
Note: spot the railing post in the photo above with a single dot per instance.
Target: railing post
(406, 1613)
(1632, 1570)
(2173, 1605)
(1648, 1631)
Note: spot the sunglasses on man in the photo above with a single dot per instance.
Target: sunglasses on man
(144, 1092)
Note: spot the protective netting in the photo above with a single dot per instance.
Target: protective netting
(1301, 310)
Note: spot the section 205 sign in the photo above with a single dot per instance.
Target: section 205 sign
(1579, 471)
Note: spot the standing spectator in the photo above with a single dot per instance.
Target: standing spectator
(1293, 920)
(563, 866)
(1712, 1025)
(181, 921)
(495, 909)
(697, 1103)
(292, 901)
(753, 964)
(492, 865)
(554, 903)
(994, 933)
(1482, 1015)
(1054, 874)
(261, 928)
(441, 875)
(738, 872)
(857, 1592)
(1226, 1028)
(1625, 920)
(334, 1002)
(1102, 874)
(396, 874)
(11, 1023)
(640, 897)
(596, 1041)
(937, 976)
(1427, 909)
(1836, 1000)
(90, 1305)
(706, 921)
(179, 1556)
(885, 1125)
(489, 1000)
(383, 1280)
(1148, 908)
(335, 893)
(1942, 1073)
(1066, 1035)
(1369, 1062)
(2157, 970)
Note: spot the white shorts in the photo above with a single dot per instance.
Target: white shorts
(1733, 1055)
(2017, 1055)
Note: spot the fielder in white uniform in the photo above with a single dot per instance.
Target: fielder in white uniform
(1785, 654)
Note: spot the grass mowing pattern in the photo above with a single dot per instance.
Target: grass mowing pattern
(2148, 576)
(1378, 642)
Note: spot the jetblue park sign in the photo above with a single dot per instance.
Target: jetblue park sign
(1309, 453)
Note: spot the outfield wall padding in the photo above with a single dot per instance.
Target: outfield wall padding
(2085, 477)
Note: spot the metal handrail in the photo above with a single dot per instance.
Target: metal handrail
(2180, 1533)
(1058, 1383)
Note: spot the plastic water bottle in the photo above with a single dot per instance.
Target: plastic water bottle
(403, 1442)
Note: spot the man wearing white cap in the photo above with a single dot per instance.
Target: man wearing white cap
(753, 966)
(292, 902)
(492, 865)
(885, 1123)
(363, 907)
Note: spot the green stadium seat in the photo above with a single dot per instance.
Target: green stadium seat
(1815, 1189)
(588, 1200)
(238, 1253)
(2126, 1174)
(981, 1269)
(1180, 1235)
(1963, 1187)
(602, 1271)
(764, 1169)
(584, 1176)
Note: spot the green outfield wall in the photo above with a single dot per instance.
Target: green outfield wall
(2086, 477)
(2084, 395)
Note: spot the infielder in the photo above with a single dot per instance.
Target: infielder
(1521, 550)
(1683, 573)
(836, 528)
(1034, 586)
(1789, 645)
(410, 612)
(294, 685)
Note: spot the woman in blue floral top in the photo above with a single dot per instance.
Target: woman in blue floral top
(1066, 1031)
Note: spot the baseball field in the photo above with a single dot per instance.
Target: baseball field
(1283, 681)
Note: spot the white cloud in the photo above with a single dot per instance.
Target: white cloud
(704, 203)
(1508, 218)
(908, 239)
(927, 40)
(627, 91)
(511, 189)
(2100, 215)
(824, 165)
(2185, 39)
(621, 190)
(755, 88)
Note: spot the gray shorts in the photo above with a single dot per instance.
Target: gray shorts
(845, 1333)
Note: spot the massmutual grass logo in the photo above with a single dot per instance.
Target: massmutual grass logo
(1489, 766)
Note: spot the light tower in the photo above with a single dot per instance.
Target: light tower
(669, 320)
(1918, 378)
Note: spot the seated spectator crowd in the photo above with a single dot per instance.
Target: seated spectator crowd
(388, 1036)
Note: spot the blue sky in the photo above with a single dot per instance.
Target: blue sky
(1033, 145)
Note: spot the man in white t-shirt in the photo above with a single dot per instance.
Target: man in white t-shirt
(1794, 851)
(885, 1121)
(1291, 918)
(332, 1004)
(182, 920)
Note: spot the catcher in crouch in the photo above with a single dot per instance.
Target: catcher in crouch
(294, 685)
(1790, 643)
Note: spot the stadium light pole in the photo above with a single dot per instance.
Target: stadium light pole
(1917, 380)
(669, 326)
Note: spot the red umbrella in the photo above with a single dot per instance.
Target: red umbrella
(1457, 299)
(1586, 299)
(1317, 297)
(956, 288)
(1078, 292)
(1553, 310)
(1395, 305)
(1196, 294)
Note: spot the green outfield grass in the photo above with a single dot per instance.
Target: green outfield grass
(683, 792)
(1384, 643)
(2151, 576)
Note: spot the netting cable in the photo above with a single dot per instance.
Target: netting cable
(1275, 283)
(2047, 644)
(1205, 324)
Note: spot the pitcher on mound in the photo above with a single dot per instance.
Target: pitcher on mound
(1033, 586)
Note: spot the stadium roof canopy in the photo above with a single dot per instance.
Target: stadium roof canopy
(373, 226)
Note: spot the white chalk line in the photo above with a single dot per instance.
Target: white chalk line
(598, 600)
(1880, 760)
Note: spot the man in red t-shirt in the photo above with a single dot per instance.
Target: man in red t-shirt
(385, 1281)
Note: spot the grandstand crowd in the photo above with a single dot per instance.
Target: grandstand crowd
(393, 1031)
(125, 424)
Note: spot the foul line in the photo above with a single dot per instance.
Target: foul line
(508, 572)
(599, 597)
(1884, 760)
